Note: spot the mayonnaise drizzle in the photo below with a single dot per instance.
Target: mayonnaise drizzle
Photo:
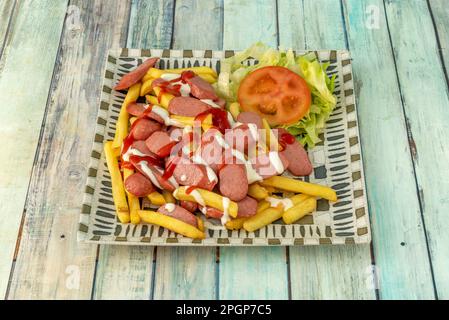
(225, 217)
(132, 152)
(144, 166)
(165, 116)
(185, 88)
(211, 176)
(276, 161)
(197, 196)
(211, 103)
(274, 202)
(253, 131)
(170, 207)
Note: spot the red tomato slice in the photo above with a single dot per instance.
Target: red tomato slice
(275, 93)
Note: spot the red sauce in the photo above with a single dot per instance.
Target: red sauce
(190, 189)
(169, 170)
(150, 160)
(174, 89)
(219, 118)
(286, 138)
(127, 165)
(165, 150)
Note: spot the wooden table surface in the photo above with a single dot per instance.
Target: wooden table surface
(52, 60)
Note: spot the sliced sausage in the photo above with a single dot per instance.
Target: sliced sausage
(141, 146)
(136, 109)
(201, 89)
(175, 133)
(211, 212)
(139, 185)
(154, 174)
(298, 160)
(187, 106)
(247, 207)
(211, 150)
(134, 76)
(157, 82)
(250, 117)
(189, 205)
(192, 174)
(160, 143)
(221, 102)
(143, 128)
(233, 181)
(242, 138)
(177, 212)
(266, 168)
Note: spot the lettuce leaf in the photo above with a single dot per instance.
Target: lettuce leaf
(307, 129)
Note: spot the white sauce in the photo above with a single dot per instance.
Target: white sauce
(253, 131)
(211, 176)
(132, 152)
(187, 129)
(274, 202)
(203, 210)
(197, 196)
(149, 173)
(185, 88)
(170, 207)
(276, 161)
(225, 218)
(183, 177)
(211, 103)
(231, 120)
(170, 76)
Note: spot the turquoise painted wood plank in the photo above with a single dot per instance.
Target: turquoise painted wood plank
(440, 11)
(323, 272)
(426, 108)
(127, 272)
(6, 12)
(251, 273)
(30, 52)
(51, 264)
(399, 242)
(190, 273)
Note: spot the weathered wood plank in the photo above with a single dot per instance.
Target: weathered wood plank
(440, 11)
(127, 272)
(6, 12)
(426, 108)
(258, 273)
(398, 235)
(323, 272)
(50, 263)
(189, 273)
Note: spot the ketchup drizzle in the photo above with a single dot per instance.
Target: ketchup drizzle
(285, 139)
(190, 189)
(219, 118)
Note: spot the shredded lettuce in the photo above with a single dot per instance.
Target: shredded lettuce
(307, 129)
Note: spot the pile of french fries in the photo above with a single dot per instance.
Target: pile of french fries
(302, 195)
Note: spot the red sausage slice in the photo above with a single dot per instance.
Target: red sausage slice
(211, 212)
(138, 185)
(189, 205)
(160, 143)
(265, 168)
(221, 102)
(201, 89)
(187, 106)
(135, 109)
(233, 181)
(192, 174)
(157, 173)
(177, 212)
(143, 128)
(250, 117)
(298, 160)
(247, 207)
(134, 76)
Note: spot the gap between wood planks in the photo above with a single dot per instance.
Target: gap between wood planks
(8, 28)
(413, 153)
(39, 143)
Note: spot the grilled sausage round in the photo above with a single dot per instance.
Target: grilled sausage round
(233, 181)
(177, 212)
(138, 185)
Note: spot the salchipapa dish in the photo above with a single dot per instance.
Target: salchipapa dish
(201, 146)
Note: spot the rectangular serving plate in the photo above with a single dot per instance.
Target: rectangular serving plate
(337, 162)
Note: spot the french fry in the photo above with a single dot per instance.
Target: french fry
(262, 205)
(156, 198)
(146, 77)
(170, 223)
(258, 192)
(208, 78)
(165, 98)
(235, 224)
(270, 189)
(270, 138)
(132, 119)
(297, 186)
(121, 130)
(146, 87)
(206, 124)
(133, 201)
(209, 198)
(168, 197)
(152, 99)
(300, 210)
(200, 224)
(156, 73)
(118, 189)
(234, 109)
(263, 218)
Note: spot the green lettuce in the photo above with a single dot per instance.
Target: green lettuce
(307, 129)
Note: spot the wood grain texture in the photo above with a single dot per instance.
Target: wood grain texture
(426, 104)
(323, 272)
(440, 11)
(251, 273)
(190, 273)
(50, 263)
(34, 37)
(6, 12)
(398, 235)
(127, 272)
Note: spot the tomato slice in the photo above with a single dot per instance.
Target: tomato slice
(275, 93)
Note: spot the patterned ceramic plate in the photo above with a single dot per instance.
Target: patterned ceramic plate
(337, 162)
